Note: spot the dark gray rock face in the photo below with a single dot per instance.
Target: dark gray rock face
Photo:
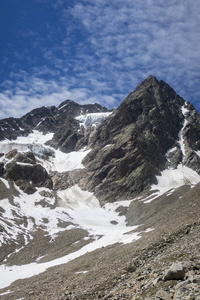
(2, 170)
(129, 148)
(60, 121)
(191, 136)
(26, 173)
(68, 135)
(175, 157)
(41, 119)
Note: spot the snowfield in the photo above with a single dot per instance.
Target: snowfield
(172, 179)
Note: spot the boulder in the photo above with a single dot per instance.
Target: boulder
(175, 272)
(34, 174)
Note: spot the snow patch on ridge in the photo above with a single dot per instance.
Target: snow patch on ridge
(57, 160)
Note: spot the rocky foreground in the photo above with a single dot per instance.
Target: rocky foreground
(166, 270)
(163, 264)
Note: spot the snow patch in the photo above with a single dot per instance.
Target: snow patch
(55, 160)
(23, 164)
(7, 292)
(63, 162)
(81, 272)
(62, 106)
(35, 137)
(172, 179)
(197, 152)
(92, 118)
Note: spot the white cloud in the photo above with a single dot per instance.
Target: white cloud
(30, 92)
(108, 48)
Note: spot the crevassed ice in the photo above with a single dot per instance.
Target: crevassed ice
(92, 118)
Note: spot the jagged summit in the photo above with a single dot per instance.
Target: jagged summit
(130, 148)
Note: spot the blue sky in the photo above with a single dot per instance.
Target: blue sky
(95, 50)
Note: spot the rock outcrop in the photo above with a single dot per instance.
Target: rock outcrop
(26, 173)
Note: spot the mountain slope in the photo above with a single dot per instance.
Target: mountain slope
(81, 184)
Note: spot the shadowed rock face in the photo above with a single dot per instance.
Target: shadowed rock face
(129, 148)
(68, 136)
(26, 173)
(60, 121)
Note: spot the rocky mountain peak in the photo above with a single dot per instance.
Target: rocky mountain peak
(130, 147)
(64, 173)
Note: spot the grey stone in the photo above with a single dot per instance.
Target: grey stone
(163, 295)
(28, 175)
(175, 272)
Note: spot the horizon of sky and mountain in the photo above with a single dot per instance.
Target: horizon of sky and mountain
(95, 50)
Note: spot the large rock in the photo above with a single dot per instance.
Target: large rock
(26, 173)
(35, 173)
(175, 272)
(163, 295)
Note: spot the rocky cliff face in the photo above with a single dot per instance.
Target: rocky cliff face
(152, 129)
(60, 121)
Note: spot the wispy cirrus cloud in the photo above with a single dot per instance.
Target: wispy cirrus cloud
(144, 37)
(101, 50)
